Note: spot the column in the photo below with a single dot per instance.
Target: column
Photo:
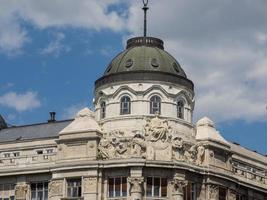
(136, 187)
(178, 186)
(136, 181)
(21, 191)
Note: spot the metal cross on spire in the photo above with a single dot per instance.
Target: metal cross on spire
(145, 8)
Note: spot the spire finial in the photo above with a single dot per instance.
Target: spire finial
(145, 8)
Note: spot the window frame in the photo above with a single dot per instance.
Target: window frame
(153, 196)
(79, 191)
(125, 100)
(44, 190)
(155, 99)
(191, 190)
(10, 191)
(180, 109)
(122, 194)
(103, 107)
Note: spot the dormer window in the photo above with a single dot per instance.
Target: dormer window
(155, 105)
(103, 110)
(180, 109)
(125, 105)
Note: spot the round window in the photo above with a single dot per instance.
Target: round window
(154, 62)
(129, 63)
(176, 67)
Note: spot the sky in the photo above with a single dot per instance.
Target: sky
(51, 52)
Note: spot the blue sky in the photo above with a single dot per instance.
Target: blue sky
(52, 52)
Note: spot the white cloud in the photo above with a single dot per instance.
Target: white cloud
(222, 47)
(20, 102)
(93, 14)
(56, 47)
(71, 111)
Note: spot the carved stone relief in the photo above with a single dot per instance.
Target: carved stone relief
(213, 192)
(156, 142)
(90, 184)
(55, 188)
(136, 184)
(232, 195)
(178, 186)
(21, 191)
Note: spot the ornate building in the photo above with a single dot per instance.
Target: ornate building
(138, 144)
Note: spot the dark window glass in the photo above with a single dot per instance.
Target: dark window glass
(117, 187)
(149, 184)
(124, 186)
(39, 191)
(125, 105)
(222, 193)
(164, 187)
(156, 187)
(74, 188)
(102, 110)
(155, 105)
(190, 191)
(180, 109)
(110, 187)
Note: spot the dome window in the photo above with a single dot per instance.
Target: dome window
(103, 110)
(155, 105)
(175, 67)
(125, 105)
(154, 63)
(109, 68)
(180, 109)
(129, 63)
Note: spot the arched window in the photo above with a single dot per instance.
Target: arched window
(180, 109)
(103, 110)
(125, 105)
(155, 105)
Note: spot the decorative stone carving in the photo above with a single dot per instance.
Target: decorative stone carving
(55, 188)
(200, 155)
(178, 185)
(138, 146)
(90, 184)
(213, 192)
(156, 143)
(136, 184)
(232, 195)
(156, 129)
(21, 192)
(113, 145)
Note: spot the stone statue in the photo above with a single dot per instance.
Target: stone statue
(138, 146)
(21, 192)
(156, 129)
(200, 155)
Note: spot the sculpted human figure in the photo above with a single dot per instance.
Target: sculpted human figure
(200, 155)
(157, 129)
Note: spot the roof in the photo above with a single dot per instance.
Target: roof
(144, 59)
(145, 54)
(34, 131)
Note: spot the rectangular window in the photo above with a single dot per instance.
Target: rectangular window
(39, 191)
(190, 192)
(16, 154)
(74, 188)
(156, 187)
(222, 193)
(7, 191)
(117, 187)
(7, 155)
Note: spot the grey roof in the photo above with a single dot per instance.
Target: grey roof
(35, 131)
(145, 54)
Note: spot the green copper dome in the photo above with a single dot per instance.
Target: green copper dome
(144, 54)
(144, 59)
